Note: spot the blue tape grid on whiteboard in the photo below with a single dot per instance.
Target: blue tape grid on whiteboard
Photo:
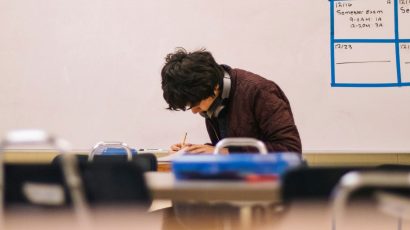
(396, 41)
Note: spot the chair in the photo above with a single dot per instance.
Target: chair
(309, 183)
(102, 146)
(106, 190)
(385, 182)
(114, 178)
(229, 213)
(69, 171)
(146, 161)
(105, 180)
(312, 183)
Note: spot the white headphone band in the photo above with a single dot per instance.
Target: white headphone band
(226, 89)
(226, 86)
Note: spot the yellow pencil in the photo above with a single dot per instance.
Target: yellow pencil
(184, 139)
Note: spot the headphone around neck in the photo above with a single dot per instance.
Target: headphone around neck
(221, 101)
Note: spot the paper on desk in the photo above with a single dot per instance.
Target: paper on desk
(172, 156)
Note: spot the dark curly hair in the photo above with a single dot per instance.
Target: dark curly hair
(189, 77)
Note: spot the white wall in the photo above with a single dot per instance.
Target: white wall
(90, 70)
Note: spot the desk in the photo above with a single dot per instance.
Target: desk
(314, 215)
(297, 215)
(302, 215)
(313, 158)
(102, 218)
(164, 166)
(164, 186)
(245, 195)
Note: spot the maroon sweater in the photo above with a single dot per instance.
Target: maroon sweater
(257, 108)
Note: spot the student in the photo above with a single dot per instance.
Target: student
(234, 102)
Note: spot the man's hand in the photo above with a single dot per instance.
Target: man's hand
(179, 146)
(206, 149)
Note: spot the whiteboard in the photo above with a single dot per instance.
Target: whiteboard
(89, 71)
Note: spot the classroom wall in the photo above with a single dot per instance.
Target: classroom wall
(89, 71)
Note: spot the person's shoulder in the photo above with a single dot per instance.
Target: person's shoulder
(255, 86)
(251, 80)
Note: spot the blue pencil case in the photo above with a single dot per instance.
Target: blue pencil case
(117, 151)
(234, 166)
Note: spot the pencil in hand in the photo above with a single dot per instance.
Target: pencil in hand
(184, 140)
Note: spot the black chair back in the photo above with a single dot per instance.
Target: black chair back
(104, 182)
(315, 183)
(146, 161)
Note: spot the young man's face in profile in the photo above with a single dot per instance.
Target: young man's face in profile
(204, 105)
